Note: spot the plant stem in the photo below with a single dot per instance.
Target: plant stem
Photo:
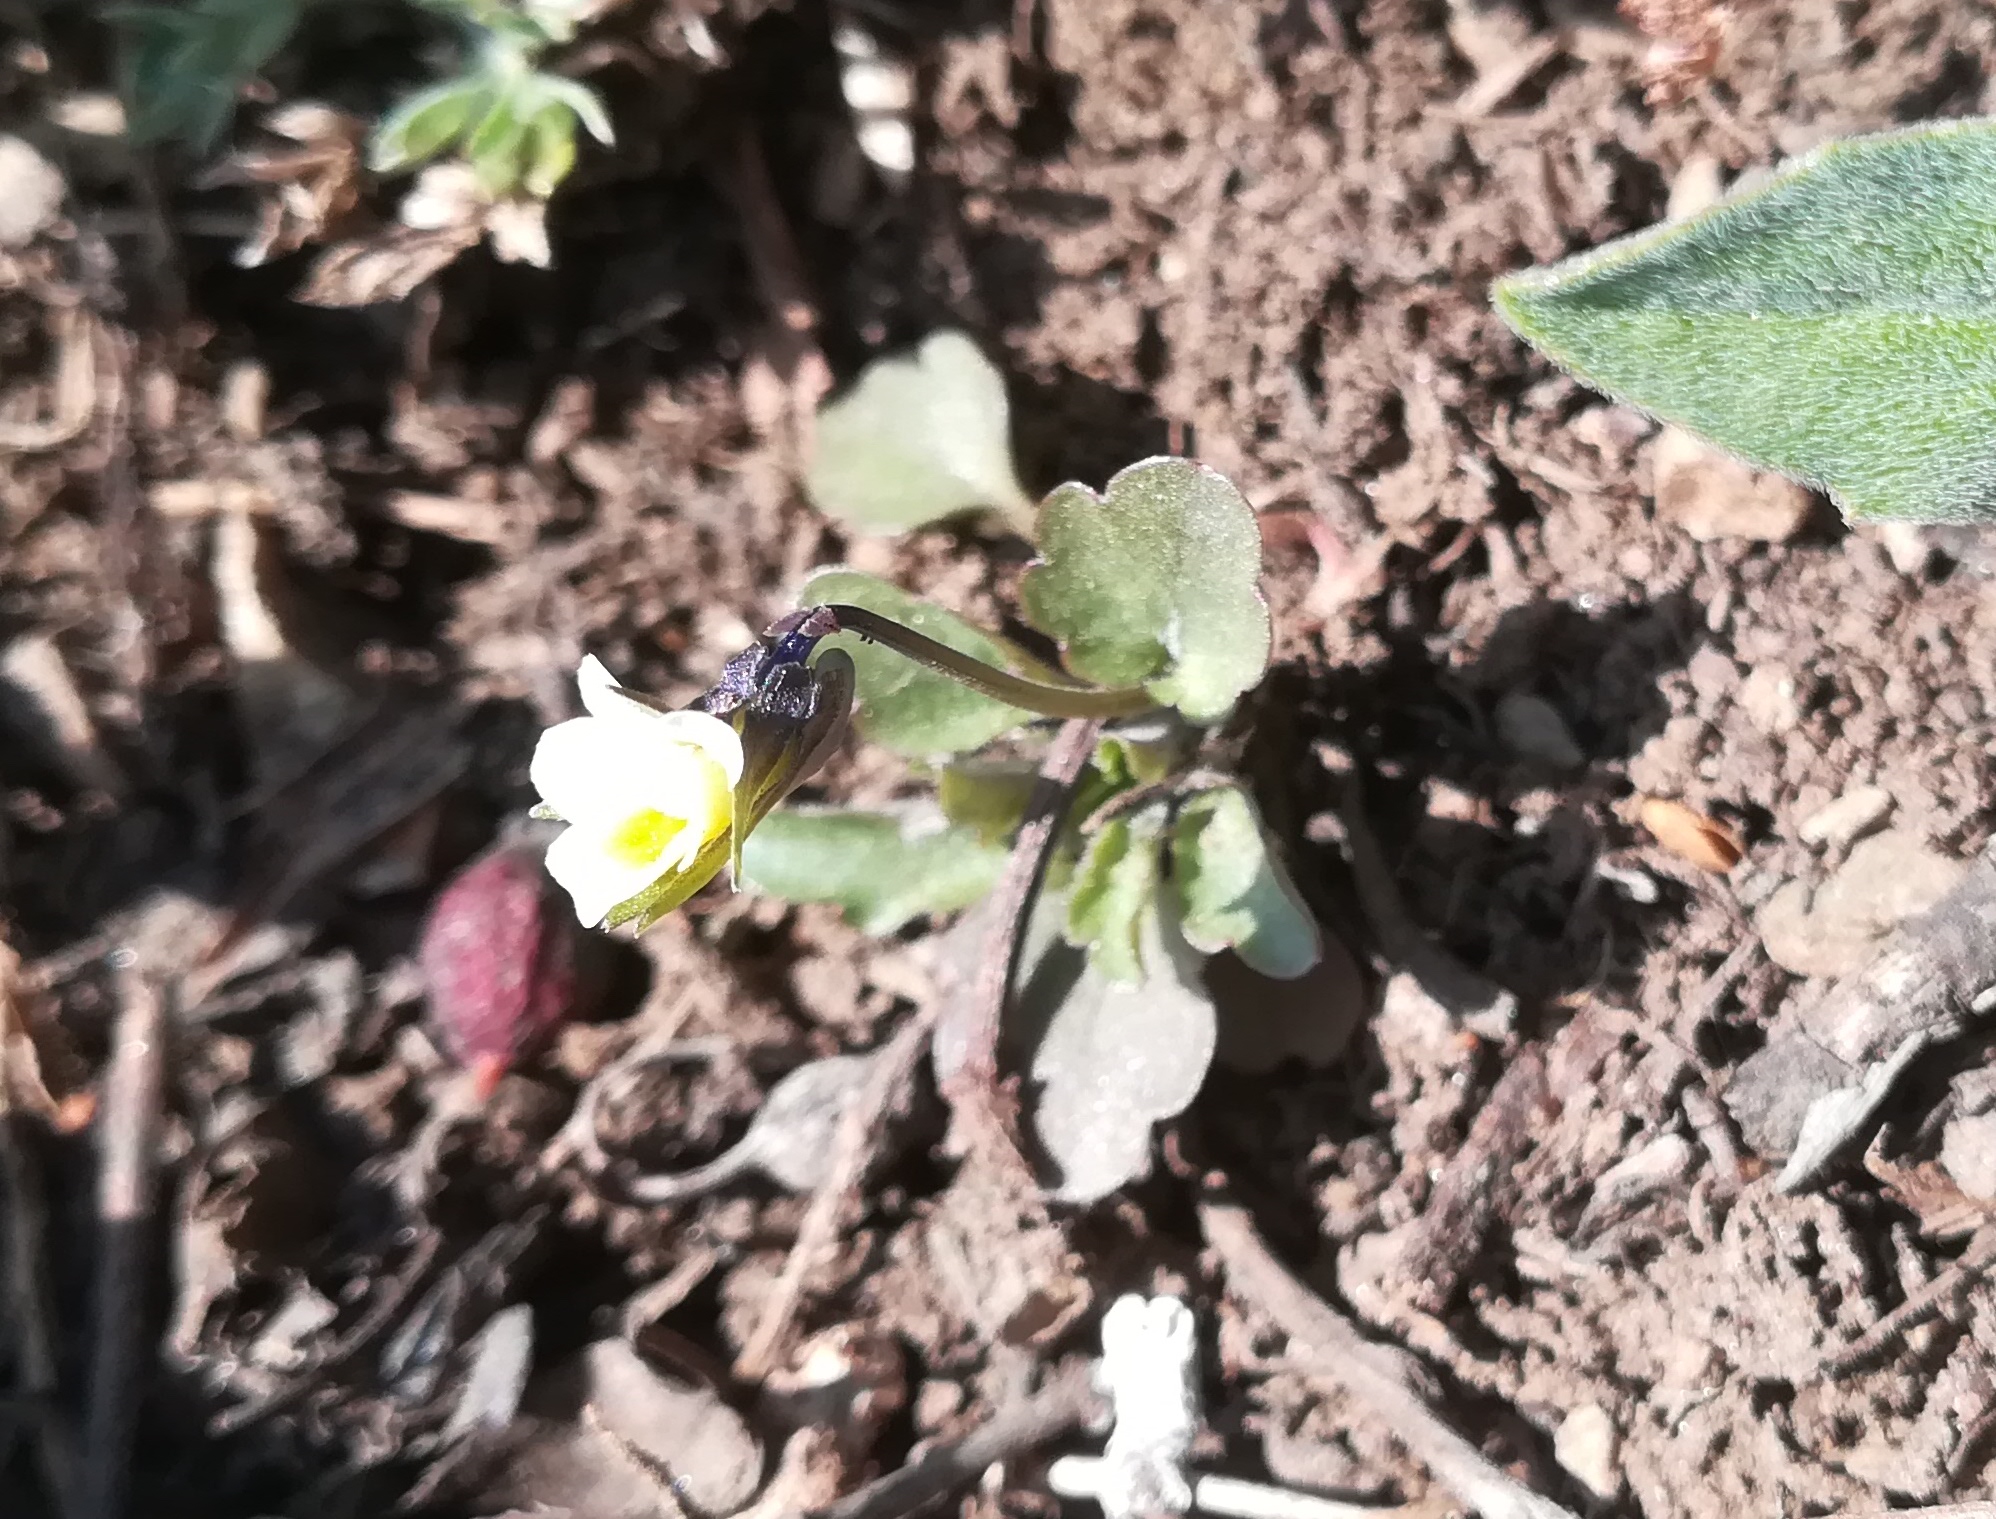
(988, 680)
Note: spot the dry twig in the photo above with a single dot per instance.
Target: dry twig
(1066, 1402)
(127, 1189)
(1339, 1353)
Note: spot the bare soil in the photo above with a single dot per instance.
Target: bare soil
(1263, 234)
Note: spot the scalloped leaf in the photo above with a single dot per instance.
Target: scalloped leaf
(1113, 889)
(902, 706)
(1836, 322)
(1233, 890)
(922, 436)
(884, 869)
(1155, 582)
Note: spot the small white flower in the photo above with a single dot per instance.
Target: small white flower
(643, 792)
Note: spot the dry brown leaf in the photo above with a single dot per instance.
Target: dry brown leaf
(386, 266)
(22, 1083)
(304, 190)
(1690, 835)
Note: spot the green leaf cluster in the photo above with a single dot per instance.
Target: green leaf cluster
(513, 122)
(1836, 322)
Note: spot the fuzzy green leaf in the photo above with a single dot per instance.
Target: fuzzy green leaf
(1836, 322)
(1109, 1061)
(1233, 889)
(902, 706)
(1113, 890)
(883, 869)
(1154, 582)
(921, 437)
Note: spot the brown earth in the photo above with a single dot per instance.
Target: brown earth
(1261, 234)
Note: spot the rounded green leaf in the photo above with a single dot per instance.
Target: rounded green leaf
(884, 869)
(920, 437)
(1233, 890)
(426, 123)
(1155, 582)
(1836, 322)
(1115, 886)
(902, 706)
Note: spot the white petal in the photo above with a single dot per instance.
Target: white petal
(597, 685)
(706, 732)
(584, 868)
(571, 768)
(600, 769)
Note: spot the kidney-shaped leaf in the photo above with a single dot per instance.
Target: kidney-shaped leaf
(903, 706)
(1154, 582)
(1836, 322)
(922, 436)
(1233, 890)
(883, 868)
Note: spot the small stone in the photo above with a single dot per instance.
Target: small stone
(1712, 495)
(1532, 729)
(1712, 675)
(1771, 699)
(1848, 818)
(31, 193)
(1834, 930)
(1589, 1447)
(1968, 1154)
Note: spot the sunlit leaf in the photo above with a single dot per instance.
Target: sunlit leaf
(1113, 890)
(1233, 890)
(884, 869)
(902, 706)
(1154, 582)
(427, 123)
(920, 437)
(550, 150)
(1836, 322)
(989, 797)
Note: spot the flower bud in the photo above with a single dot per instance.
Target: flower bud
(498, 960)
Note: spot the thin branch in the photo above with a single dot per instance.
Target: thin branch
(1339, 1353)
(127, 1188)
(980, 1114)
(1067, 1402)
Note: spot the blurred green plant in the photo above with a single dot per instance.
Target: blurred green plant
(505, 113)
(183, 67)
(1835, 322)
(510, 119)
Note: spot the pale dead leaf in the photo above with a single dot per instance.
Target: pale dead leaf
(1690, 835)
(386, 266)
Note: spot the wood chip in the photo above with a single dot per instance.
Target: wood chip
(1690, 835)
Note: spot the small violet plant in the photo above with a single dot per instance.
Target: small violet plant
(1146, 596)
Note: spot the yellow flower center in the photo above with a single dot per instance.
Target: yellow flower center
(643, 836)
